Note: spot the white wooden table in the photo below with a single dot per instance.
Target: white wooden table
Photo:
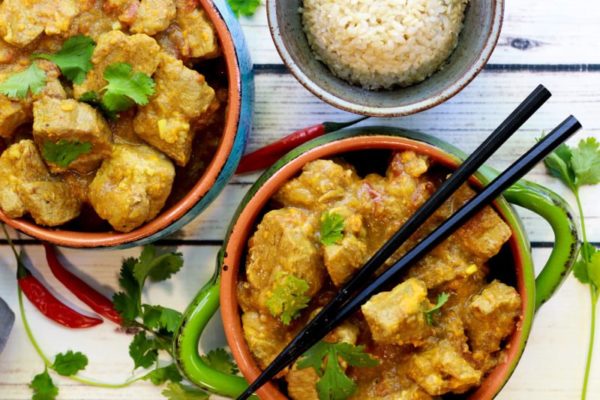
(550, 42)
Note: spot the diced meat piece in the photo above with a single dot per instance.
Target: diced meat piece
(8, 53)
(122, 129)
(346, 333)
(79, 185)
(22, 21)
(302, 384)
(343, 259)
(27, 186)
(50, 203)
(198, 33)
(322, 182)
(132, 186)
(140, 51)
(492, 316)
(153, 16)
(443, 264)
(408, 162)
(93, 22)
(284, 242)
(441, 369)
(484, 235)
(55, 120)
(182, 95)
(264, 336)
(397, 317)
(12, 115)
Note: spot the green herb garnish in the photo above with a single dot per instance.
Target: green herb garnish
(333, 382)
(20, 84)
(220, 360)
(332, 226)
(43, 387)
(430, 314)
(576, 167)
(74, 58)
(246, 8)
(177, 391)
(125, 87)
(64, 152)
(288, 298)
(69, 363)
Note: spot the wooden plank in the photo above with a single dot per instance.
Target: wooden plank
(534, 32)
(551, 367)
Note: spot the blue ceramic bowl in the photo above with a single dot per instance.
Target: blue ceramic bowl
(237, 126)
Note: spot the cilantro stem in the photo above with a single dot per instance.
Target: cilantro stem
(49, 363)
(588, 364)
(581, 217)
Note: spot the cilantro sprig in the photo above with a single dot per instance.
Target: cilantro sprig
(324, 358)
(577, 167)
(65, 364)
(18, 86)
(433, 311)
(64, 152)
(332, 226)
(288, 297)
(43, 387)
(74, 59)
(246, 8)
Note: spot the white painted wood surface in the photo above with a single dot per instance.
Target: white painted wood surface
(550, 42)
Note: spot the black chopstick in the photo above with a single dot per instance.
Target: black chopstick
(509, 177)
(510, 125)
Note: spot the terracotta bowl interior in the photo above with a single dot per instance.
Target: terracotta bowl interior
(478, 38)
(242, 230)
(204, 184)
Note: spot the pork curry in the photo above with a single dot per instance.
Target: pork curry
(109, 109)
(438, 332)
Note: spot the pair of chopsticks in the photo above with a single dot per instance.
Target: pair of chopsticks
(362, 286)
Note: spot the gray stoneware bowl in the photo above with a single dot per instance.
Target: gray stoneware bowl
(482, 24)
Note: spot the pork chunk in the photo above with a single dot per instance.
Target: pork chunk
(264, 336)
(321, 182)
(13, 113)
(302, 384)
(131, 186)
(68, 120)
(284, 244)
(26, 186)
(441, 369)
(397, 317)
(197, 32)
(182, 95)
(484, 235)
(140, 51)
(492, 316)
(22, 21)
(153, 16)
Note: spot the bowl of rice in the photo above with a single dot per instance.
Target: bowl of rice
(386, 57)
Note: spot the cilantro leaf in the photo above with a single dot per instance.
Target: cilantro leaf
(441, 300)
(18, 85)
(164, 374)
(558, 164)
(246, 8)
(143, 351)
(288, 297)
(332, 226)
(156, 267)
(580, 271)
(157, 317)
(333, 382)
(128, 303)
(593, 269)
(69, 363)
(64, 152)
(43, 387)
(177, 391)
(220, 360)
(126, 87)
(74, 58)
(585, 161)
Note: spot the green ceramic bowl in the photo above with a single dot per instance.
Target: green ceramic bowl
(483, 21)
(534, 290)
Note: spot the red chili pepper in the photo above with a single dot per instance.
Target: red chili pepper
(49, 305)
(84, 292)
(266, 156)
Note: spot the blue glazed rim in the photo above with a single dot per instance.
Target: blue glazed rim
(246, 90)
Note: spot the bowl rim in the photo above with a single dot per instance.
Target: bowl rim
(81, 239)
(493, 35)
(240, 232)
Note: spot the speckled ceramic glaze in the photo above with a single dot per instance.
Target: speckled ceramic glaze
(534, 290)
(222, 167)
(483, 21)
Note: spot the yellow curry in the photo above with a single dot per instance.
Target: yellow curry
(103, 110)
(438, 332)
